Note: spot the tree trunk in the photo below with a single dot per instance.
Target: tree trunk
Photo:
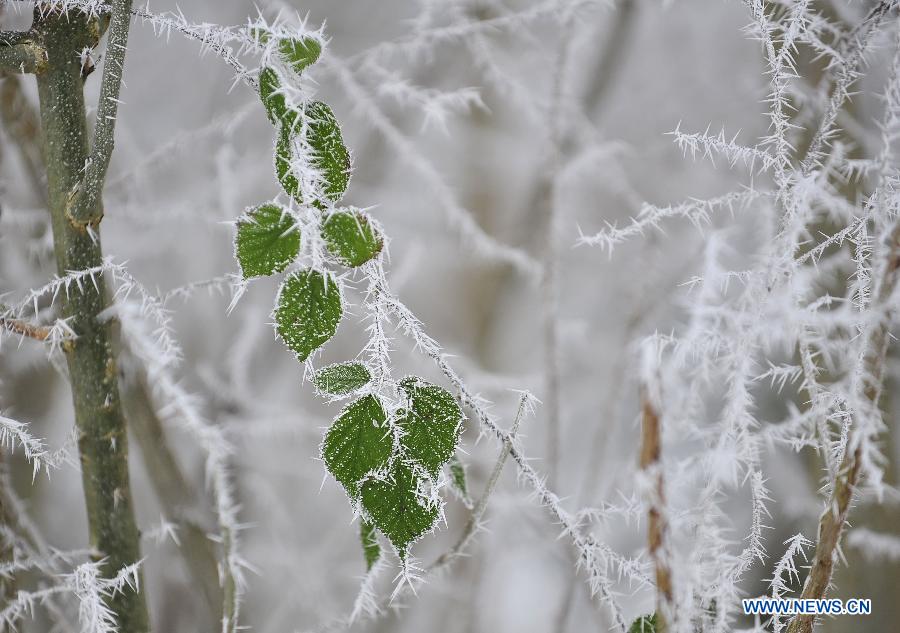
(102, 439)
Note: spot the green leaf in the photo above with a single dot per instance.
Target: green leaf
(458, 480)
(431, 424)
(644, 624)
(371, 548)
(327, 153)
(330, 155)
(259, 35)
(283, 154)
(280, 113)
(396, 508)
(300, 53)
(342, 378)
(358, 443)
(308, 311)
(267, 241)
(351, 238)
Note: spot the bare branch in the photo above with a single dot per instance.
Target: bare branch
(84, 206)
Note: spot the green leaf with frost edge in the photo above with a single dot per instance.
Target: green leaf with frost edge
(280, 113)
(644, 624)
(267, 241)
(322, 133)
(307, 311)
(358, 443)
(300, 53)
(329, 154)
(396, 508)
(351, 238)
(371, 548)
(283, 156)
(431, 424)
(458, 480)
(342, 378)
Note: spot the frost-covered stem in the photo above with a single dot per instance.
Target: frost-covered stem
(85, 205)
(847, 74)
(23, 328)
(460, 218)
(31, 543)
(19, 53)
(230, 602)
(102, 438)
(481, 505)
(831, 523)
(175, 494)
(586, 545)
(651, 446)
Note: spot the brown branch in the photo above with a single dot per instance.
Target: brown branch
(651, 447)
(831, 523)
(24, 328)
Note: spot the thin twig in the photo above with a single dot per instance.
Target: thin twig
(23, 328)
(474, 520)
(589, 550)
(847, 73)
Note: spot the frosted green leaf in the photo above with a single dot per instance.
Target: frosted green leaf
(357, 443)
(371, 548)
(458, 480)
(267, 241)
(644, 624)
(431, 424)
(283, 154)
(342, 378)
(330, 155)
(351, 238)
(308, 311)
(396, 509)
(273, 99)
(300, 53)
